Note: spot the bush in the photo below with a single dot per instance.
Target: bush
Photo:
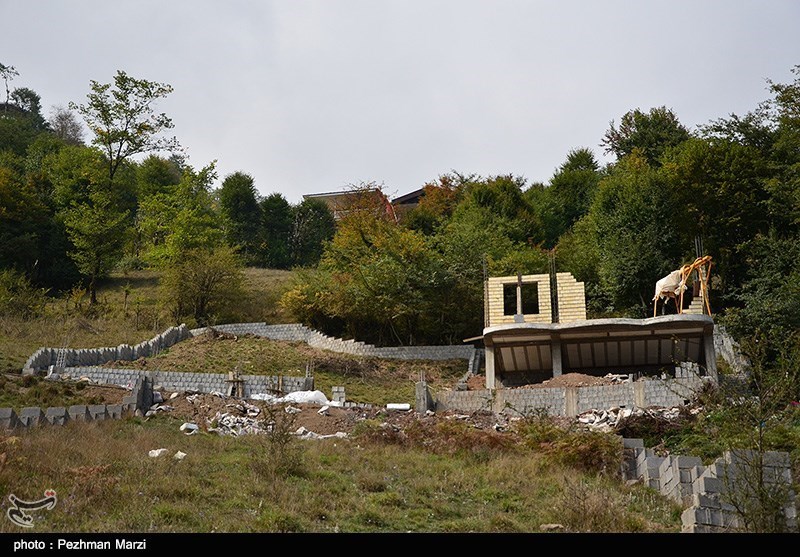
(18, 297)
(204, 285)
(582, 449)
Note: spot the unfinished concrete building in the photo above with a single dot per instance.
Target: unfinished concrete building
(536, 329)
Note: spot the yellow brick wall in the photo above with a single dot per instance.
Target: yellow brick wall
(571, 299)
(495, 291)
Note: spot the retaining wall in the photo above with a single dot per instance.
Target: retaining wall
(707, 492)
(43, 358)
(315, 339)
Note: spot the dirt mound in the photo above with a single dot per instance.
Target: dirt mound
(572, 380)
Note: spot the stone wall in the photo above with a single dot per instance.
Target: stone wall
(707, 492)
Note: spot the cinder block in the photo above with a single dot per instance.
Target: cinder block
(31, 416)
(79, 412)
(688, 461)
(97, 411)
(694, 515)
(706, 501)
(706, 484)
(115, 411)
(57, 415)
(8, 418)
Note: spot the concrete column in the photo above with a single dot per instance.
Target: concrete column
(639, 399)
(490, 367)
(571, 401)
(423, 399)
(555, 356)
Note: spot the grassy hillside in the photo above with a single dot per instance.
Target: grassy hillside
(446, 479)
(129, 311)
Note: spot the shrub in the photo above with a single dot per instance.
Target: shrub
(18, 297)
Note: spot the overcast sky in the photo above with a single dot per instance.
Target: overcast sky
(311, 96)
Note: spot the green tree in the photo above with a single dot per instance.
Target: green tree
(23, 216)
(123, 119)
(21, 121)
(650, 132)
(438, 203)
(572, 188)
(96, 228)
(312, 226)
(30, 102)
(719, 188)
(276, 230)
(156, 174)
(241, 214)
(633, 216)
(377, 281)
(203, 283)
(171, 223)
(8, 73)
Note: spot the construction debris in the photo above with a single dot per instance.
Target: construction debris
(189, 428)
(303, 433)
(607, 420)
(225, 423)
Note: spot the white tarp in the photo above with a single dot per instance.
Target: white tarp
(297, 397)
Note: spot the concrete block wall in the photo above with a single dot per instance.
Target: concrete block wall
(559, 401)
(706, 492)
(43, 358)
(300, 333)
(31, 417)
(184, 381)
(519, 402)
(604, 396)
(729, 350)
(465, 401)
(667, 392)
(527, 401)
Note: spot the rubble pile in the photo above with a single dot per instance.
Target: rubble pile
(606, 421)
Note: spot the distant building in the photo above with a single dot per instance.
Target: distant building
(342, 202)
(405, 203)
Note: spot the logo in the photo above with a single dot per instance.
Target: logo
(16, 513)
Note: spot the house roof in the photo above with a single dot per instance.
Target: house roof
(412, 197)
